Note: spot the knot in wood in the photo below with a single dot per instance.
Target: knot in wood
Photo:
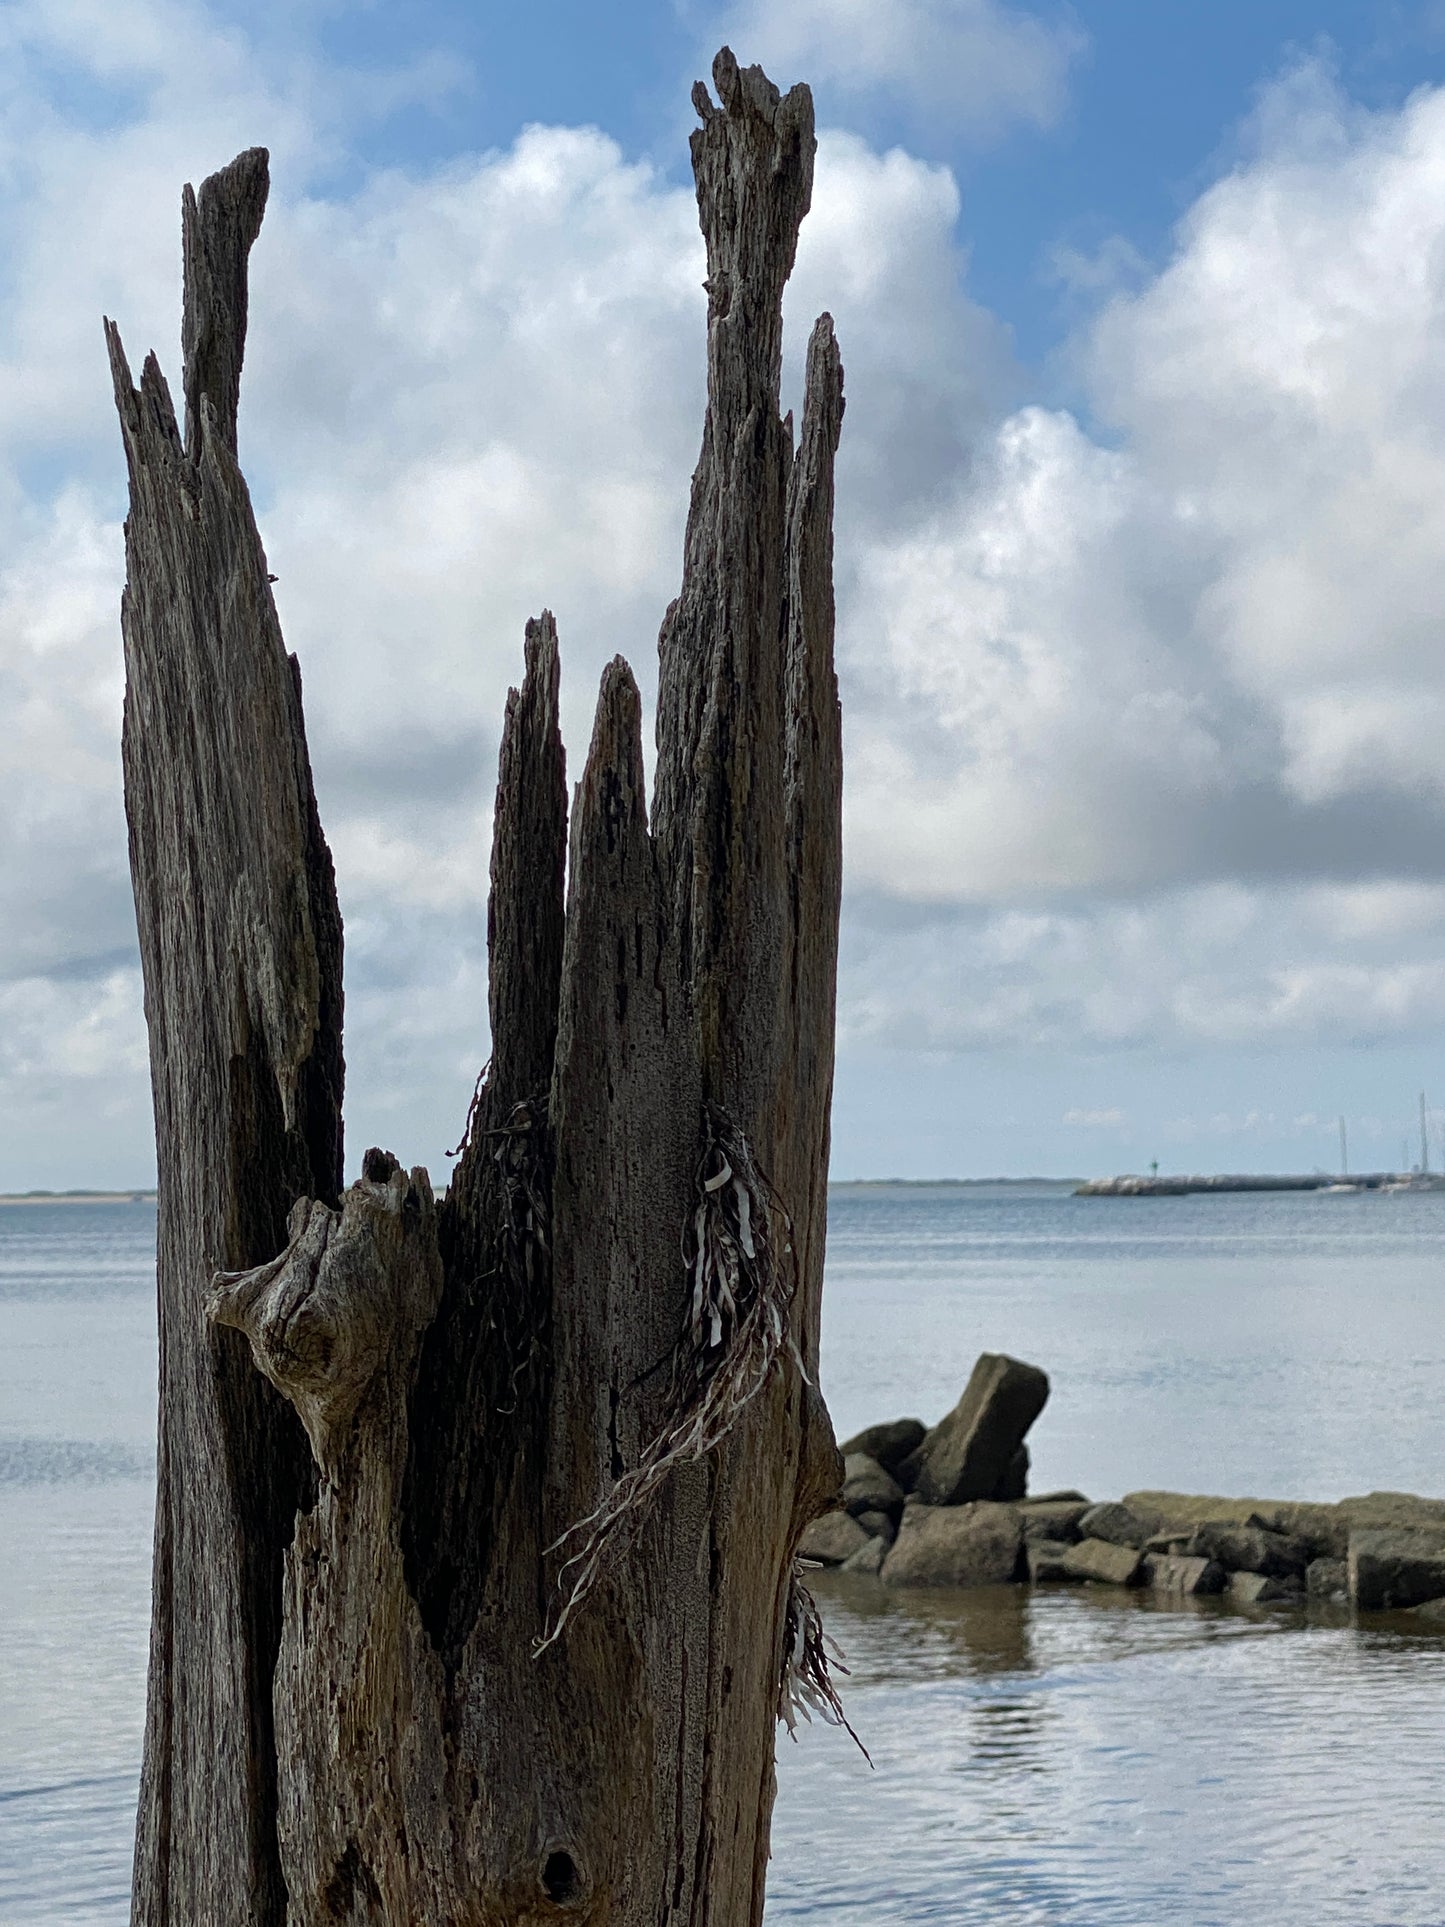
(344, 1304)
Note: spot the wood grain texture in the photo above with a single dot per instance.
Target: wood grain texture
(241, 953)
(397, 1410)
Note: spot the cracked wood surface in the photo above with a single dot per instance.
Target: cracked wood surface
(396, 1408)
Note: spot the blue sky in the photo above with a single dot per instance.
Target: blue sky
(1141, 529)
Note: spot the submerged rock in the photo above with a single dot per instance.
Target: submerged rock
(966, 1545)
(972, 1452)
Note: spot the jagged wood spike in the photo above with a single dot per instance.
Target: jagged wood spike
(367, 1725)
(240, 942)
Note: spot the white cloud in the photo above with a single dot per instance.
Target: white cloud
(981, 63)
(1143, 734)
(1206, 967)
(1210, 646)
(1112, 1119)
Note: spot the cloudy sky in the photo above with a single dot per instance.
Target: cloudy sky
(1141, 529)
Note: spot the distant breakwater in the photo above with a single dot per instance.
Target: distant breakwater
(948, 1506)
(1180, 1187)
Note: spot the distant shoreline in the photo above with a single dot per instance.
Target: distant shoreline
(77, 1197)
(942, 1184)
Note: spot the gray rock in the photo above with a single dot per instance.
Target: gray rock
(832, 1539)
(879, 1525)
(1251, 1548)
(968, 1453)
(1324, 1529)
(1169, 1543)
(964, 1545)
(1265, 1589)
(1101, 1561)
(1432, 1611)
(1058, 1498)
(1052, 1519)
(1327, 1579)
(867, 1559)
(1392, 1567)
(868, 1488)
(1175, 1573)
(889, 1444)
(1047, 1560)
(1116, 1523)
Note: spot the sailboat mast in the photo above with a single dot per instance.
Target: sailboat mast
(1344, 1154)
(1424, 1141)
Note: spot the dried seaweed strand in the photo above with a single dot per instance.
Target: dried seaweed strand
(738, 1251)
(810, 1658)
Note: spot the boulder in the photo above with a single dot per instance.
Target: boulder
(1116, 1523)
(1432, 1611)
(1101, 1561)
(1251, 1547)
(1265, 1589)
(1175, 1573)
(969, 1453)
(1046, 1560)
(868, 1558)
(1052, 1519)
(868, 1488)
(878, 1525)
(1327, 1579)
(832, 1539)
(889, 1444)
(965, 1545)
(1392, 1567)
(1058, 1498)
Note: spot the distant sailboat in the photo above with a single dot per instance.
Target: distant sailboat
(1424, 1179)
(1342, 1186)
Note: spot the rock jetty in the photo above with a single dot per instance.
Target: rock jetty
(949, 1506)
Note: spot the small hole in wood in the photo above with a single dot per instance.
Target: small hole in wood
(560, 1880)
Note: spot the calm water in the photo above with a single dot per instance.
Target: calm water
(1073, 1757)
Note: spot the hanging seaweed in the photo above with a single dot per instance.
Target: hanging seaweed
(810, 1657)
(737, 1247)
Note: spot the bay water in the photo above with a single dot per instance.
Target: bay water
(1070, 1756)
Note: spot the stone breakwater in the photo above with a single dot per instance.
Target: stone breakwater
(949, 1506)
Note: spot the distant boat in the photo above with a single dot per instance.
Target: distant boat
(1424, 1179)
(1344, 1185)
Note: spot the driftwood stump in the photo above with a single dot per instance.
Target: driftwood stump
(474, 1598)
